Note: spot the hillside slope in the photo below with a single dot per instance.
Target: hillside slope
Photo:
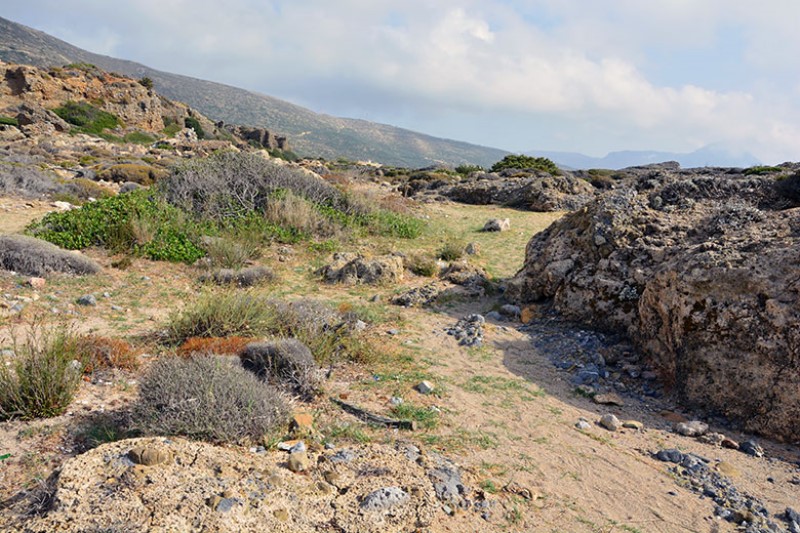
(310, 133)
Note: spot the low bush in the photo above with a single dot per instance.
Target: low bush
(391, 224)
(207, 398)
(9, 121)
(33, 257)
(40, 381)
(230, 251)
(27, 181)
(138, 221)
(243, 277)
(452, 250)
(103, 353)
(466, 170)
(84, 189)
(788, 190)
(526, 162)
(234, 185)
(139, 137)
(215, 345)
(86, 118)
(193, 123)
(421, 264)
(286, 361)
(761, 170)
(222, 314)
(134, 173)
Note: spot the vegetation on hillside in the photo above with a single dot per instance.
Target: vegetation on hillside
(526, 162)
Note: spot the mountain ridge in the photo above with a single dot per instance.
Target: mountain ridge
(711, 155)
(311, 134)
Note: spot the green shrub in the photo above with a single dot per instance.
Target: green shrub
(466, 170)
(42, 379)
(191, 122)
(139, 137)
(761, 170)
(139, 222)
(146, 82)
(229, 251)
(525, 162)
(132, 172)
(9, 121)
(86, 117)
(452, 250)
(421, 264)
(208, 398)
(222, 314)
(391, 224)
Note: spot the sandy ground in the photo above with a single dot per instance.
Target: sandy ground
(507, 415)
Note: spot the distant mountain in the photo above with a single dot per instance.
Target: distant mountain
(708, 156)
(309, 133)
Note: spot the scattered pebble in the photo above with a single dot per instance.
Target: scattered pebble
(610, 422)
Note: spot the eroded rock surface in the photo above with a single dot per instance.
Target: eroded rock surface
(702, 271)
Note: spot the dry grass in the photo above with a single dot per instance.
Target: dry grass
(214, 345)
(102, 353)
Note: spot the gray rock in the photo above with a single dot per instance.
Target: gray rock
(494, 315)
(792, 515)
(497, 224)
(342, 456)
(695, 428)
(610, 422)
(511, 311)
(670, 456)
(384, 498)
(227, 504)
(583, 425)
(88, 300)
(447, 484)
(751, 447)
(425, 387)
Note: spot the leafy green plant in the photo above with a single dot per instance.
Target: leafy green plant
(452, 250)
(113, 222)
(9, 121)
(146, 82)
(525, 162)
(465, 170)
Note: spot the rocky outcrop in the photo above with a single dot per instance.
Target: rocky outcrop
(351, 268)
(136, 105)
(535, 192)
(261, 137)
(702, 272)
(159, 484)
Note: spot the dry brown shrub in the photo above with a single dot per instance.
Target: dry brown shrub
(215, 345)
(102, 353)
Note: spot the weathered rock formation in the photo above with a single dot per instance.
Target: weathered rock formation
(702, 270)
(536, 192)
(261, 137)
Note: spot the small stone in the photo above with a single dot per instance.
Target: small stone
(36, 283)
(287, 445)
(281, 515)
(424, 387)
(583, 425)
(750, 447)
(633, 424)
(384, 498)
(608, 399)
(393, 332)
(302, 424)
(227, 504)
(511, 311)
(472, 248)
(497, 224)
(106, 295)
(792, 515)
(331, 477)
(299, 462)
(299, 447)
(609, 422)
(343, 456)
(670, 456)
(359, 325)
(396, 400)
(494, 315)
(729, 443)
(149, 455)
(695, 428)
(87, 299)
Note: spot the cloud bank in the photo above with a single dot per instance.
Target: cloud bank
(517, 74)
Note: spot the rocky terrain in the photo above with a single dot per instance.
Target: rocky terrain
(636, 374)
(699, 268)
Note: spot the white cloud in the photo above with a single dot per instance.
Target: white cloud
(591, 65)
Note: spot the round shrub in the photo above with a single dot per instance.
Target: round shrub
(207, 398)
(288, 361)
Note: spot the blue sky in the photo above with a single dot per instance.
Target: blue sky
(589, 76)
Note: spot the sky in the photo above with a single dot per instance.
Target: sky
(588, 76)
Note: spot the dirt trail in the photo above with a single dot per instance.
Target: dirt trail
(582, 481)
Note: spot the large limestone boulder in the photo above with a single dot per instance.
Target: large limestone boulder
(353, 268)
(702, 272)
